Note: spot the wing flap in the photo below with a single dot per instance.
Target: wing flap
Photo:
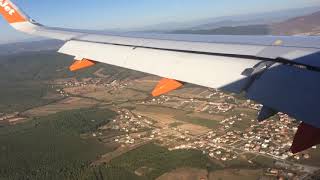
(291, 90)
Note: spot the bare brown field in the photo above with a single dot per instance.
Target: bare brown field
(84, 90)
(185, 174)
(166, 116)
(145, 84)
(228, 174)
(16, 120)
(149, 79)
(194, 129)
(62, 81)
(163, 120)
(246, 111)
(163, 115)
(200, 106)
(190, 92)
(63, 105)
(239, 174)
(201, 115)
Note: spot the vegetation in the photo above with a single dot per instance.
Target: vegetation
(81, 121)
(24, 77)
(314, 158)
(19, 96)
(264, 161)
(175, 124)
(158, 160)
(51, 147)
(32, 66)
(199, 121)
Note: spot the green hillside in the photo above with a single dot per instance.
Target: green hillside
(24, 77)
(51, 147)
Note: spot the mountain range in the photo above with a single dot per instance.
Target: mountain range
(33, 46)
(234, 20)
(301, 25)
(304, 25)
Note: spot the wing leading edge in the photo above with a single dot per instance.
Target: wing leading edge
(279, 72)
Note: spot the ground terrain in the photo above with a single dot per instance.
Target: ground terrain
(102, 123)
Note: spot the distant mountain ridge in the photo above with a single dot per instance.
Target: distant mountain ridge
(258, 18)
(259, 29)
(302, 25)
(21, 47)
(308, 25)
(230, 21)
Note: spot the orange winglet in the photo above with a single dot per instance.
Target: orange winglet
(81, 64)
(10, 12)
(166, 85)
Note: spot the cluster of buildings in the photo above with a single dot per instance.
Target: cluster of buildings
(210, 144)
(94, 82)
(271, 138)
(230, 121)
(214, 107)
(74, 83)
(194, 104)
(62, 93)
(129, 122)
(133, 128)
(281, 174)
(157, 101)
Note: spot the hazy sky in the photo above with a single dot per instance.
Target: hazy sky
(109, 14)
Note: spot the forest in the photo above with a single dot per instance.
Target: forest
(51, 147)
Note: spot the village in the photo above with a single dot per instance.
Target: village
(227, 141)
(271, 138)
(218, 124)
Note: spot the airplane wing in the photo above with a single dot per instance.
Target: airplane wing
(280, 72)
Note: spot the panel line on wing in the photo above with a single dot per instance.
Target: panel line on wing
(275, 60)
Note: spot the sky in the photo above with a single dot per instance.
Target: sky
(113, 14)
